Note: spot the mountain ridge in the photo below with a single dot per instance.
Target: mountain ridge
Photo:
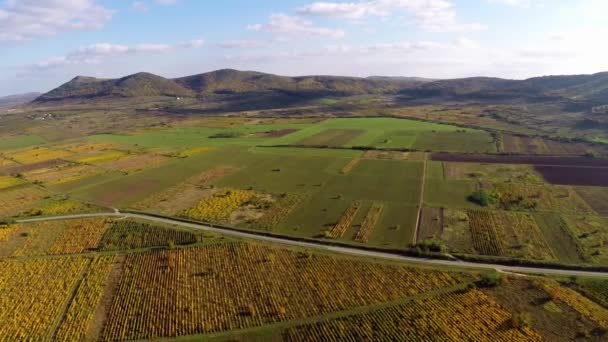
(592, 87)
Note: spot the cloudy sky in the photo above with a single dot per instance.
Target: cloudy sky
(44, 43)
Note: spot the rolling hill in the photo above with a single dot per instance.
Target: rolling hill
(592, 88)
(18, 99)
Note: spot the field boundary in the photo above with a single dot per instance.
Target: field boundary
(407, 255)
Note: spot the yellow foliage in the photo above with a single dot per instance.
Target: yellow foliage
(6, 233)
(103, 158)
(60, 208)
(79, 236)
(193, 151)
(219, 206)
(34, 294)
(81, 312)
(37, 155)
(9, 182)
(576, 301)
(237, 286)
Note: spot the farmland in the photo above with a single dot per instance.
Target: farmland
(389, 184)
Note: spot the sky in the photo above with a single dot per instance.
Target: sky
(44, 43)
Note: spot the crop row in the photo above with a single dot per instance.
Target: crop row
(128, 234)
(34, 292)
(485, 237)
(79, 236)
(219, 206)
(472, 316)
(345, 221)
(369, 223)
(81, 311)
(582, 305)
(233, 286)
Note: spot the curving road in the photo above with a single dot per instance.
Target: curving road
(342, 250)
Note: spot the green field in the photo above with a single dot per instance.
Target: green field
(21, 141)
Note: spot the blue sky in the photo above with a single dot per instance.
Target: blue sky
(44, 43)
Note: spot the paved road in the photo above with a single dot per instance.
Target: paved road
(342, 250)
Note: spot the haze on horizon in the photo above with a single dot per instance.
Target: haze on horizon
(424, 38)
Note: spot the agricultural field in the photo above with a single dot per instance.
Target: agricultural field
(396, 185)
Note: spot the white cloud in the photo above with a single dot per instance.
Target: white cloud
(139, 6)
(430, 15)
(243, 44)
(96, 53)
(22, 20)
(288, 25)
(515, 3)
(166, 2)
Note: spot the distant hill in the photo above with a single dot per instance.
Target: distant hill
(592, 88)
(16, 100)
(226, 81)
(140, 84)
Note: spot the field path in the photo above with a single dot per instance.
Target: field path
(420, 201)
(322, 246)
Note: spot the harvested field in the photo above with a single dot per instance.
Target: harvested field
(559, 236)
(394, 155)
(49, 164)
(463, 141)
(457, 232)
(331, 137)
(61, 174)
(596, 197)
(530, 160)
(18, 200)
(135, 163)
(471, 316)
(235, 286)
(431, 224)
(279, 133)
(573, 175)
(491, 172)
(184, 195)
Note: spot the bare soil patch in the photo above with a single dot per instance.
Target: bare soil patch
(572, 175)
(530, 160)
(431, 224)
(279, 133)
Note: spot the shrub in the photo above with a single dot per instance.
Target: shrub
(521, 320)
(483, 198)
(492, 279)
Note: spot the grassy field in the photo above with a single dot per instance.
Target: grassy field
(21, 141)
(299, 177)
